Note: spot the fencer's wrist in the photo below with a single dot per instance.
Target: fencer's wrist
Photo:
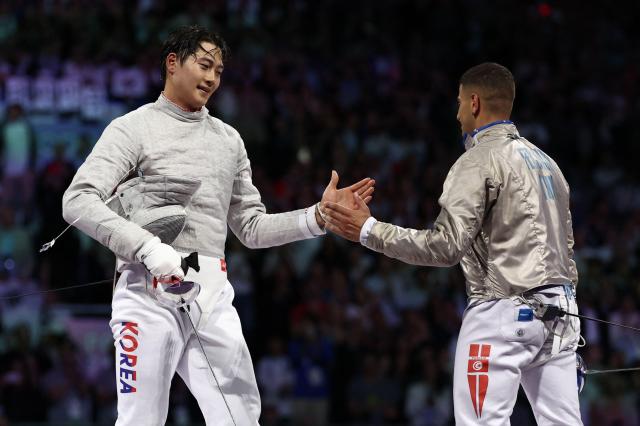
(366, 229)
(308, 223)
(320, 216)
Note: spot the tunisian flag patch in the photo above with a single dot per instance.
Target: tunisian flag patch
(478, 375)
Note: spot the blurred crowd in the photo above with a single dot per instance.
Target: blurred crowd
(338, 334)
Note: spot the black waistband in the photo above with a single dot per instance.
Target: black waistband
(542, 288)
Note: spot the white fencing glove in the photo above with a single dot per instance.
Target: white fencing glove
(162, 261)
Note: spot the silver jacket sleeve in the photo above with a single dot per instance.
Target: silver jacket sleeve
(468, 191)
(249, 221)
(115, 153)
(504, 217)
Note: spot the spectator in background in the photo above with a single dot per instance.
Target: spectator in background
(21, 392)
(66, 386)
(276, 380)
(59, 267)
(18, 155)
(428, 400)
(374, 395)
(16, 247)
(311, 355)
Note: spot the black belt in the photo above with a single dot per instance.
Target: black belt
(541, 288)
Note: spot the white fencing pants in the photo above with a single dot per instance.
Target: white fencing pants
(502, 345)
(153, 342)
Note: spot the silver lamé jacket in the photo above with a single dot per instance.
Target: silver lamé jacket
(505, 218)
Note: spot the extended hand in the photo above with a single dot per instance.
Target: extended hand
(346, 196)
(344, 221)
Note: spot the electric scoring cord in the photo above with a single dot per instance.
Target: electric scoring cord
(53, 290)
(186, 311)
(603, 321)
(617, 370)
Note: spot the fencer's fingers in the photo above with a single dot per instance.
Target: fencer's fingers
(364, 191)
(367, 192)
(330, 206)
(337, 216)
(367, 184)
(333, 228)
(360, 202)
(340, 231)
(345, 228)
(360, 184)
(366, 196)
(333, 183)
(341, 218)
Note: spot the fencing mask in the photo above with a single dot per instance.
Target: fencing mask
(159, 204)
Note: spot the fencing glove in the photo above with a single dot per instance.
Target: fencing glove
(162, 261)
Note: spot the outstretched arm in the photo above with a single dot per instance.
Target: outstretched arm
(468, 193)
(255, 228)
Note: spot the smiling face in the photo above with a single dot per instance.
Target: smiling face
(191, 83)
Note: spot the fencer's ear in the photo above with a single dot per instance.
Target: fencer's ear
(475, 104)
(171, 62)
